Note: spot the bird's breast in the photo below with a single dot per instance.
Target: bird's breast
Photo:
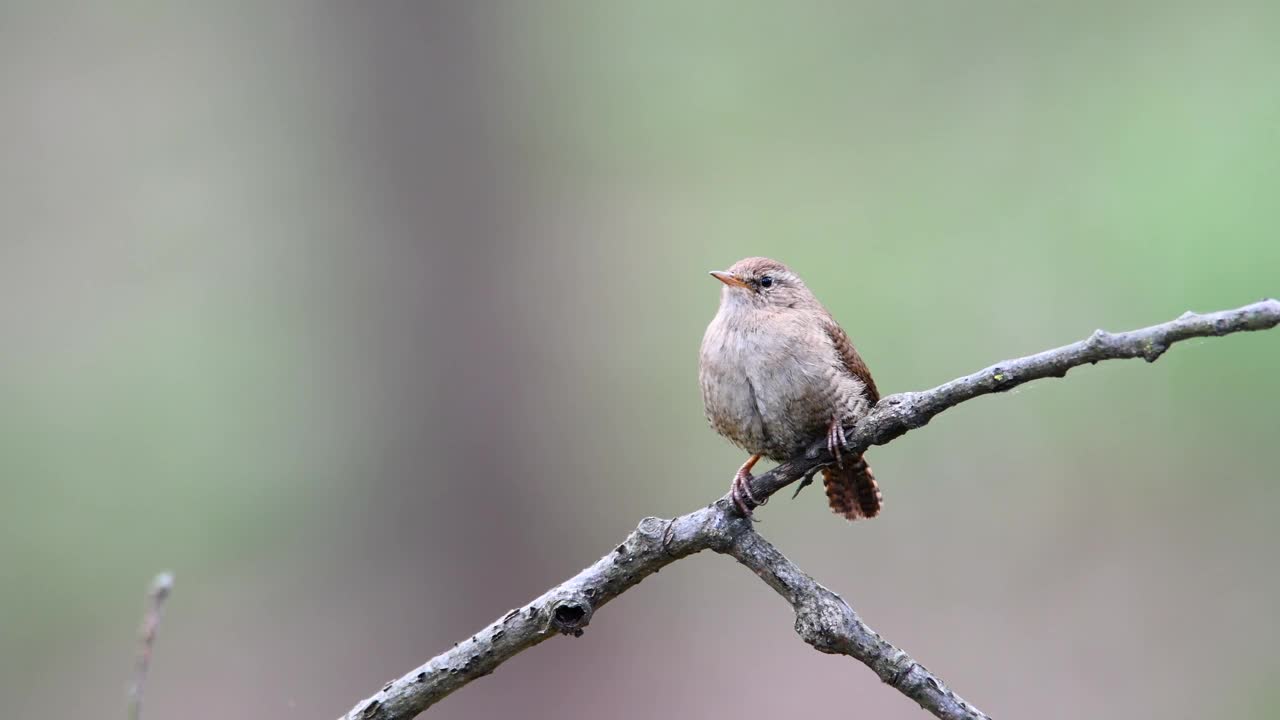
(768, 392)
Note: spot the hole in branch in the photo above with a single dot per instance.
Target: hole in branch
(571, 614)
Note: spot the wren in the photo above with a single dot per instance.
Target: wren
(777, 373)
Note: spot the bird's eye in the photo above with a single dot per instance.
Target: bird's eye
(766, 281)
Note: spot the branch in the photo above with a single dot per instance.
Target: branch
(894, 415)
(823, 619)
(161, 587)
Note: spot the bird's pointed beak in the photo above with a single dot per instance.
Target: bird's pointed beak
(728, 278)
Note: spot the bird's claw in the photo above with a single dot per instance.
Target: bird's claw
(740, 491)
(836, 442)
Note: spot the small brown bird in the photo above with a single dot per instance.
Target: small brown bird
(777, 373)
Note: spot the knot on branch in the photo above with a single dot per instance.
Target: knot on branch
(1151, 350)
(821, 621)
(571, 613)
(711, 528)
(371, 711)
(652, 527)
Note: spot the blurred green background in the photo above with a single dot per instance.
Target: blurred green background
(373, 320)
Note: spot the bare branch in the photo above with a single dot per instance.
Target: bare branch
(161, 587)
(897, 414)
(826, 622)
(565, 609)
(822, 619)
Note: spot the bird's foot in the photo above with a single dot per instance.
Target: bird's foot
(836, 441)
(740, 489)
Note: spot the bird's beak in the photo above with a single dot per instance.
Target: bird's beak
(728, 278)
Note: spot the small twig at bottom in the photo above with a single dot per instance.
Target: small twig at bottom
(161, 587)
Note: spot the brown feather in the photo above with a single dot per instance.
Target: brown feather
(853, 491)
(849, 355)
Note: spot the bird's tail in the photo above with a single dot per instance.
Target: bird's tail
(852, 491)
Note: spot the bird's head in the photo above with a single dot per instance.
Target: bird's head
(762, 283)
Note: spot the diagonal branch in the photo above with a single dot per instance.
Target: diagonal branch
(825, 621)
(896, 414)
(822, 619)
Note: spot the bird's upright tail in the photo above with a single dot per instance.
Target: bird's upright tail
(852, 491)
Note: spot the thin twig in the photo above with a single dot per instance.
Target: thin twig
(161, 587)
(822, 619)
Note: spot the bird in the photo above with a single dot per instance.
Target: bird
(777, 373)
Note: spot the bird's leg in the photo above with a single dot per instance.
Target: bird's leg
(836, 441)
(740, 488)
